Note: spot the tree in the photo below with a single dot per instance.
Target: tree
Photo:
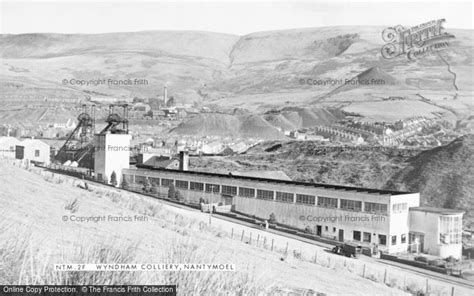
(171, 192)
(178, 196)
(154, 188)
(170, 102)
(272, 218)
(113, 178)
(147, 185)
(149, 114)
(124, 184)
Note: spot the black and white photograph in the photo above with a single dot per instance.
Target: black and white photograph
(198, 147)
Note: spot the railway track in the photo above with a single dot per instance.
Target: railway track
(244, 221)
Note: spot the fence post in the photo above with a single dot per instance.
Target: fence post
(452, 291)
(363, 272)
(316, 257)
(258, 238)
(232, 233)
(242, 238)
(385, 276)
(250, 241)
(286, 251)
(272, 244)
(427, 287)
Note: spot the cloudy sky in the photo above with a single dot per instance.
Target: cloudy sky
(231, 17)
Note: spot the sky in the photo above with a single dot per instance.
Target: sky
(231, 17)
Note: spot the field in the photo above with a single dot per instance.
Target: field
(34, 237)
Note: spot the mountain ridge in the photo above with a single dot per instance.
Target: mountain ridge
(258, 71)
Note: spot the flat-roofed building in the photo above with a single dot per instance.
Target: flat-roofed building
(436, 231)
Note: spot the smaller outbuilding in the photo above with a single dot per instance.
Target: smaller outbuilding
(34, 151)
(436, 231)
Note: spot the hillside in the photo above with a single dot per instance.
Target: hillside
(308, 161)
(259, 71)
(290, 118)
(35, 231)
(443, 176)
(202, 45)
(240, 125)
(270, 126)
(367, 78)
(34, 65)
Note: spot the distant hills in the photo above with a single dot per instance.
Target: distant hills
(220, 64)
(258, 72)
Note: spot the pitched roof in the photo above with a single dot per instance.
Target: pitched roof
(33, 142)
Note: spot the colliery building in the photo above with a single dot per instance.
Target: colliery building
(388, 221)
(375, 218)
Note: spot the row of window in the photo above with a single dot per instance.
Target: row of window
(366, 237)
(352, 205)
(450, 230)
(322, 201)
(399, 207)
(264, 194)
(327, 202)
(284, 196)
(306, 199)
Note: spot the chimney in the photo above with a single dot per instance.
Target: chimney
(183, 160)
(165, 95)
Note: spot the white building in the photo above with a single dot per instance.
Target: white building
(7, 146)
(373, 218)
(68, 124)
(388, 221)
(110, 100)
(436, 231)
(212, 148)
(112, 154)
(33, 150)
(297, 135)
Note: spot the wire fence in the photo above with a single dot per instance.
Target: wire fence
(390, 276)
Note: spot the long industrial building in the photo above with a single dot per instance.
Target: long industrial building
(388, 221)
(375, 218)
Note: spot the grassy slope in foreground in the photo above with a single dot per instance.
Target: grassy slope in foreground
(33, 237)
